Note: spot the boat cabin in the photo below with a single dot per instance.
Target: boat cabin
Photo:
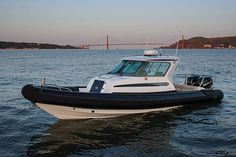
(138, 74)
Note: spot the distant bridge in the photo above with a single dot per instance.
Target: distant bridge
(107, 44)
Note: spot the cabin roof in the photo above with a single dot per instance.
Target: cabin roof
(152, 58)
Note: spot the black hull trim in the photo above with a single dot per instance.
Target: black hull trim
(78, 99)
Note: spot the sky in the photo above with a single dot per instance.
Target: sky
(89, 21)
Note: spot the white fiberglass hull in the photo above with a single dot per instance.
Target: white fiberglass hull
(65, 112)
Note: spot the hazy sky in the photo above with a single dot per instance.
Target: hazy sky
(88, 21)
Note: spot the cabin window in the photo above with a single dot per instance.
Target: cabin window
(118, 68)
(131, 67)
(141, 68)
(162, 69)
(153, 69)
(126, 67)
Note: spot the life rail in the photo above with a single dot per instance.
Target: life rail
(43, 85)
(56, 86)
(203, 77)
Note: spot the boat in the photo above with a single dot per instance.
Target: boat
(138, 84)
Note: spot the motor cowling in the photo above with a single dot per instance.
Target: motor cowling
(200, 81)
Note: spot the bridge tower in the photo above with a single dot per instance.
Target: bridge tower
(182, 41)
(107, 42)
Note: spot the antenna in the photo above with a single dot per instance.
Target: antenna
(147, 45)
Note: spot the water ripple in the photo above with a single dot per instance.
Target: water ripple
(206, 130)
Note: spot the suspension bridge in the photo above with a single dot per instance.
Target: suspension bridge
(109, 42)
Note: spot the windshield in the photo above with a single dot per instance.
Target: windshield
(141, 68)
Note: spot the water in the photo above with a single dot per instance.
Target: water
(28, 131)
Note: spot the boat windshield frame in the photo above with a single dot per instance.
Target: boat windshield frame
(141, 68)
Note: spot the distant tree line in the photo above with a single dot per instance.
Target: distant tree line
(24, 45)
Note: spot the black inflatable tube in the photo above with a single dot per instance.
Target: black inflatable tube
(117, 100)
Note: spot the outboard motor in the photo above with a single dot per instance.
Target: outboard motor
(193, 80)
(200, 81)
(205, 82)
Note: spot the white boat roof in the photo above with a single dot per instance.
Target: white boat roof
(151, 58)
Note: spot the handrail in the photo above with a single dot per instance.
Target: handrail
(193, 75)
(202, 81)
(67, 89)
(186, 76)
(56, 86)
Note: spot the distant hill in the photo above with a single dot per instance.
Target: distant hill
(201, 42)
(24, 45)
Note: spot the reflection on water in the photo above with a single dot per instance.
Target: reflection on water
(140, 134)
(69, 137)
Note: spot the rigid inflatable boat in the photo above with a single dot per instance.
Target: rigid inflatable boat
(138, 84)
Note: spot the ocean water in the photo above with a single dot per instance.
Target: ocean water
(25, 130)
